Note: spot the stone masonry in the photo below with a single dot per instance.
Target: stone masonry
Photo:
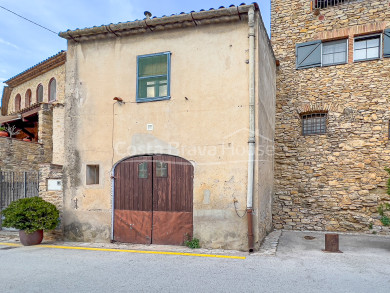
(333, 181)
(18, 155)
(47, 172)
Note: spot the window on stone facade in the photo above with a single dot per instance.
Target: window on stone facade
(92, 173)
(388, 130)
(52, 90)
(314, 123)
(334, 52)
(27, 98)
(40, 93)
(328, 3)
(367, 48)
(153, 72)
(319, 53)
(18, 100)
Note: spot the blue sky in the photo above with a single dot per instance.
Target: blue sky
(23, 44)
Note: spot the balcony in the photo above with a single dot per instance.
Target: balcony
(319, 4)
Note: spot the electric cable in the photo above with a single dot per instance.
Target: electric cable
(29, 20)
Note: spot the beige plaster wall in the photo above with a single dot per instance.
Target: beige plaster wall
(58, 73)
(205, 121)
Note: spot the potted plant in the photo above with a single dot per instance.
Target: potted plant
(3, 132)
(31, 216)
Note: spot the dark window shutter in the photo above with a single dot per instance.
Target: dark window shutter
(308, 54)
(386, 43)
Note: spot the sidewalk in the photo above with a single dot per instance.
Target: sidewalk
(277, 243)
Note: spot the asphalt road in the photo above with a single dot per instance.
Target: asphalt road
(299, 266)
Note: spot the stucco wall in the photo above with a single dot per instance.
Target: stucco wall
(265, 132)
(58, 73)
(205, 121)
(333, 181)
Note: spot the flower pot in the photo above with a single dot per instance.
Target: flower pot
(4, 133)
(32, 238)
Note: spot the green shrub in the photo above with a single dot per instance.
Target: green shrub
(385, 221)
(31, 214)
(194, 243)
(381, 211)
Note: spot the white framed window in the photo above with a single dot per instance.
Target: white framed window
(335, 52)
(367, 48)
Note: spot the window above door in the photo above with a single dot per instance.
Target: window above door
(153, 77)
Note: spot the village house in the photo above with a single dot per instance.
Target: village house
(33, 107)
(332, 113)
(169, 130)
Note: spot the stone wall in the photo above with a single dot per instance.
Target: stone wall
(18, 155)
(47, 172)
(45, 131)
(333, 181)
(58, 134)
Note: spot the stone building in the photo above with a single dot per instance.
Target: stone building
(33, 105)
(33, 102)
(332, 114)
(159, 112)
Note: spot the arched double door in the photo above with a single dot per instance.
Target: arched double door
(153, 200)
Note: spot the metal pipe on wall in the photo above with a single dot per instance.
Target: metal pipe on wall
(251, 142)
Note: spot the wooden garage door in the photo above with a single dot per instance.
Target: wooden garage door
(153, 200)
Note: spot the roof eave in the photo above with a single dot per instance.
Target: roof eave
(45, 66)
(221, 15)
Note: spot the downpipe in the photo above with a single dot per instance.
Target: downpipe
(251, 141)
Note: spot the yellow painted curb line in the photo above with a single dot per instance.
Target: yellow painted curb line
(10, 244)
(133, 251)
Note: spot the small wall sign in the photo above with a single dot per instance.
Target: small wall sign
(54, 184)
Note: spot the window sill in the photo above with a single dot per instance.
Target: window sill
(334, 64)
(143, 100)
(370, 59)
(314, 134)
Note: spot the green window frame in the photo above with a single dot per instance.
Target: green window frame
(153, 77)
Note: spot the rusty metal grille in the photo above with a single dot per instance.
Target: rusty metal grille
(16, 185)
(314, 123)
(328, 3)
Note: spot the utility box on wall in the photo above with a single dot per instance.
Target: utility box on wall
(54, 184)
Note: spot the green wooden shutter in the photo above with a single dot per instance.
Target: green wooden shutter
(386, 43)
(308, 54)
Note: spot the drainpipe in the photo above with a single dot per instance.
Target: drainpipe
(251, 142)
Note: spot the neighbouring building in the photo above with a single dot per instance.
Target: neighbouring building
(159, 113)
(332, 113)
(31, 157)
(33, 103)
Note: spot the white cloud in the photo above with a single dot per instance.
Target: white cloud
(8, 44)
